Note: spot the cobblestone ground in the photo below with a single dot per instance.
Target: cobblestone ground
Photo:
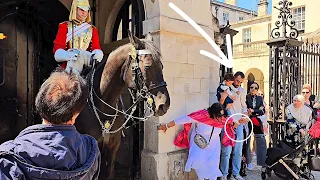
(255, 174)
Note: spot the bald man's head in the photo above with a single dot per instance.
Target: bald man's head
(61, 96)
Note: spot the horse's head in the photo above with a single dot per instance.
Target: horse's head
(143, 72)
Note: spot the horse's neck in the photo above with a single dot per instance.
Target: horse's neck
(111, 83)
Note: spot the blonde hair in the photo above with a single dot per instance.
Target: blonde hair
(307, 86)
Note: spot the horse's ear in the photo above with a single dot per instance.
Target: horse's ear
(149, 37)
(131, 37)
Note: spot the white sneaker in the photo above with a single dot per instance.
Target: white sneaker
(250, 167)
(238, 177)
(223, 178)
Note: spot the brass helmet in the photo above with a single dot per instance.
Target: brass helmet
(83, 4)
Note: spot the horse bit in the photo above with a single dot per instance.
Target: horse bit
(141, 92)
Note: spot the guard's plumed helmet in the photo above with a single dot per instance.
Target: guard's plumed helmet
(83, 4)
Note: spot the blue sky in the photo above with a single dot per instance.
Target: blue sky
(251, 4)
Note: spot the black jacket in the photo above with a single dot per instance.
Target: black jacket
(50, 152)
(256, 112)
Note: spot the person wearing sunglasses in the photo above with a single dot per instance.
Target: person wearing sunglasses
(307, 93)
(247, 146)
(308, 101)
(256, 109)
(312, 97)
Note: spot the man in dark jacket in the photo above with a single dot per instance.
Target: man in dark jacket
(54, 149)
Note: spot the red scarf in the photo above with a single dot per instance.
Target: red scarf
(315, 130)
(202, 116)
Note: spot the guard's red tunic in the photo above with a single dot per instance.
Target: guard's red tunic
(60, 41)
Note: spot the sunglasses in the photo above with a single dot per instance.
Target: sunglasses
(305, 92)
(252, 87)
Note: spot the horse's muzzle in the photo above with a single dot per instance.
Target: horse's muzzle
(162, 103)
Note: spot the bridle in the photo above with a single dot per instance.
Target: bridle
(140, 93)
(140, 84)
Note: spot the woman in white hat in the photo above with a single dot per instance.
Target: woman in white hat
(299, 120)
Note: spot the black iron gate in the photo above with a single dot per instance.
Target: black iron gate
(292, 64)
(310, 65)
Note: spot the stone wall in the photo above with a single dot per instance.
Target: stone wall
(191, 77)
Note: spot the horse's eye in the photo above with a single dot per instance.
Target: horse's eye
(146, 67)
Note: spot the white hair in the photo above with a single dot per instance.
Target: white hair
(300, 98)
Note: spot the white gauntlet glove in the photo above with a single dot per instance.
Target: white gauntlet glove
(85, 57)
(62, 55)
(74, 66)
(98, 55)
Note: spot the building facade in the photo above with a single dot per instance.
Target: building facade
(229, 11)
(251, 53)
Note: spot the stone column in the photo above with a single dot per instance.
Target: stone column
(263, 8)
(190, 77)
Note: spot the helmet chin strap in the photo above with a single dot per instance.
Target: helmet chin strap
(77, 22)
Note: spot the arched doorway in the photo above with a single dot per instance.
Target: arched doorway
(254, 75)
(124, 15)
(31, 26)
(27, 57)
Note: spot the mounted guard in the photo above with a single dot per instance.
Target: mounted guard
(77, 41)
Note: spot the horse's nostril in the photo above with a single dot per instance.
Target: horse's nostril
(162, 109)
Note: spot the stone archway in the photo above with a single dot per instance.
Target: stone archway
(254, 75)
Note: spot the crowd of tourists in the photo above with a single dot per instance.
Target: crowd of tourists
(223, 140)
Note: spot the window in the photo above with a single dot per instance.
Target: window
(241, 18)
(128, 18)
(246, 35)
(225, 16)
(298, 15)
